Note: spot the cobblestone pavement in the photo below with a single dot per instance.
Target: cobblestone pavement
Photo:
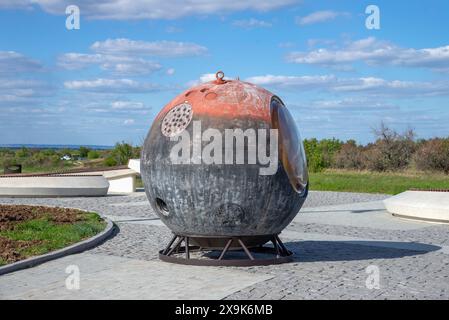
(340, 242)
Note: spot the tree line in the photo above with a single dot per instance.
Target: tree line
(391, 151)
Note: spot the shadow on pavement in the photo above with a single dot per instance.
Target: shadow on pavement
(314, 251)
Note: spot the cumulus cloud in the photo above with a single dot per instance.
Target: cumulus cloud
(128, 122)
(376, 52)
(320, 16)
(252, 23)
(164, 49)
(111, 85)
(129, 57)
(151, 9)
(14, 62)
(120, 65)
(206, 77)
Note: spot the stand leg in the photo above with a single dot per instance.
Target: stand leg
(170, 244)
(175, 247)
(250, 256)
(186, 241)
(228, 244)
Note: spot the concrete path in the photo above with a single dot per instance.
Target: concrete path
(344, 251)
(111, 277)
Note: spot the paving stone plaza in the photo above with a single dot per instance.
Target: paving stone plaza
(346, 246)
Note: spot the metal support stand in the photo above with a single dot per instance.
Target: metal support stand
(175, 252)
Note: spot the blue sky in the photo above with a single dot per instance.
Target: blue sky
(106, 81)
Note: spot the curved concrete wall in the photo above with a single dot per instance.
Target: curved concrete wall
(430, 206)
(54, 186)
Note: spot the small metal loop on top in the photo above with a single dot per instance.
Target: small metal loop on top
(220, 77)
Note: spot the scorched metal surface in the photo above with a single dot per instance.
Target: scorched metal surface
(218, 200)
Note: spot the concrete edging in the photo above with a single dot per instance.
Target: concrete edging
(74, 248)
(426, 206)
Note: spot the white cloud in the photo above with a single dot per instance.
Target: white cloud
(293, 81)
(371, 85)
(23, 92)
(120, 65)
(152, 9)
(320, 16)
(127, 105)
(252, 23)
(123, 46)
(14, 62)
(127, 57)
(206, 77)
(375, 52)
(170, 71)
(15, 4)
(350, 103)
(111, 85)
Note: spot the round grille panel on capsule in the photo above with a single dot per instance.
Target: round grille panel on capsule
(176, 120)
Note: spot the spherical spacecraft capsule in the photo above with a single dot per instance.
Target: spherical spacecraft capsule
(225, 159)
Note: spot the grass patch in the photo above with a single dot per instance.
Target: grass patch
(368, 182)
(44, 233)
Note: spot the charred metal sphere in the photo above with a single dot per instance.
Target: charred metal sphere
(218, 200)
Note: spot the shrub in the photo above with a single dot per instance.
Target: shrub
(110, 161)
(350, 156)
(320, 154)
(433, 155)
(93, 154)
(392, 151)
(122, 152)
(84, 152)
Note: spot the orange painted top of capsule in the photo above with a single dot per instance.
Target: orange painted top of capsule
(225, 99)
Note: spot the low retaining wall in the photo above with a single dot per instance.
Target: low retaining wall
(431, 206)
(53, 186)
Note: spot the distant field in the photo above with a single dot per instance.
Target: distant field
(367, 182)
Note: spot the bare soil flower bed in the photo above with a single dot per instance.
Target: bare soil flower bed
(33, 230)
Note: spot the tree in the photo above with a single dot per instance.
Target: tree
(93, 154)
(122, 152)
(433, 155)
(350, 156)
(84, 151)
(392, 150)
(320, 154)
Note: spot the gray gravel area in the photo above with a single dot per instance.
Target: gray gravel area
(137, 204)
(328, 198)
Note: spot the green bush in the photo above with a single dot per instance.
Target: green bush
(110, 161)
(84, 152)
(93, 154)
(320, 154)
(122, 152)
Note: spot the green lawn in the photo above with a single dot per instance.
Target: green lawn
(44, 235)
(388, 183)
